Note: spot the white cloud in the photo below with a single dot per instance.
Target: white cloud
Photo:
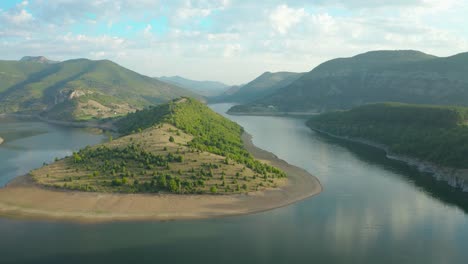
(17, 16)
(231, 49)
(284, 17)
(271, 35)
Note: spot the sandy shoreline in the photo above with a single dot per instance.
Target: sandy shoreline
(22, 198)
(1, 140)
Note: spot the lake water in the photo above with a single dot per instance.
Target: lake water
(372, 210)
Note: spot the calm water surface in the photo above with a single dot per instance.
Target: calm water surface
(372, 210)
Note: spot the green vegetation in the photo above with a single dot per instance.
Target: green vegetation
(78, 89)
(212, 132)
(378, 76)
(177, 147)
(434, 133)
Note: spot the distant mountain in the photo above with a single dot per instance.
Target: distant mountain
(39, 59)
(205, 88)
(78, 89)
(377, 76)
(265, 84)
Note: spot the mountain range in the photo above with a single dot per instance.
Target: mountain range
(379, 76)
(78, 89)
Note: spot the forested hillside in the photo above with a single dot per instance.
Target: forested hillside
(78, 89)
(378, 76)
(434, 133)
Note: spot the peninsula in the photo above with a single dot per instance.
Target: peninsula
(178, 160)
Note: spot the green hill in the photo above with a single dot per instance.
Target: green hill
(378, 76)
(179, 147)
(438, 134)
(78, 89)
(264, 85)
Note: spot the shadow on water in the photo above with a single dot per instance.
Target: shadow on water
(423, 181)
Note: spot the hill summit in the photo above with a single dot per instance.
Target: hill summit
(39, 59)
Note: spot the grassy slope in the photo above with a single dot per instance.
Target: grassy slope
(40, 87)
(206, 156)
(381, 76)
(434, 133)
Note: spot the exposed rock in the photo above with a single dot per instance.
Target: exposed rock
(39, 59)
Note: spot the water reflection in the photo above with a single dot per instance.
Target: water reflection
(372, 210)
(424, 182)
(28, 144)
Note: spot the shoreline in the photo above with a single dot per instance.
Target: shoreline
(22, 198)
(291, 114)
(106, 126)
(1, 140)
(456, 178)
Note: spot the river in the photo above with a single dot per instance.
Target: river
(372, 210)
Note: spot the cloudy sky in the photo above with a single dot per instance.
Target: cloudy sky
(227, 40)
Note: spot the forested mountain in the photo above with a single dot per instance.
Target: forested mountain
(78, 89)
(377, 76)
(264, 85)
(438, 134)
(205, 88)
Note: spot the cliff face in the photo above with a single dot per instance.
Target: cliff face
(457, 178)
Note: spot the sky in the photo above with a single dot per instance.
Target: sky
(232, 41)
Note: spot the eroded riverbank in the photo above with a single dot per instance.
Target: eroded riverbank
(457, 178)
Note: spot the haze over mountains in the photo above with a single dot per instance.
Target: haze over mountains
(378, 76)
(205, 88)
(265, 84)
(78, 89)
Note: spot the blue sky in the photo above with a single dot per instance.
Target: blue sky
(227, 40)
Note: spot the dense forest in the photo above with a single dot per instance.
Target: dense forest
(434, 133)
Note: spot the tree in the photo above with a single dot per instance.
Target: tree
(162, 181)
(76, 157)
(173, 186)
(213, 189)
(171, 139)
